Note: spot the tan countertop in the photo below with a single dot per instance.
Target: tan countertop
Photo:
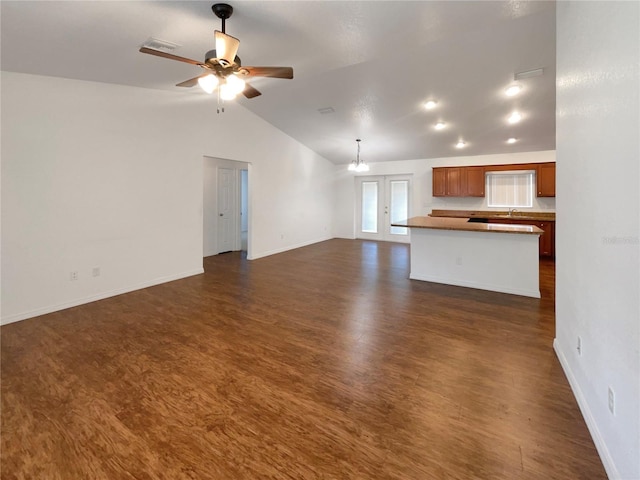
(448, 223)
(537, 216)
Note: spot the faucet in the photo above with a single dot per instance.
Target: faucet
(511, 210)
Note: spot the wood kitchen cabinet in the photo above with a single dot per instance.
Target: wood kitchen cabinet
(458, 182)
(548, 239)
(474, 182)
(454, 182)
(470, 181)
(439, 182)
(546, 180)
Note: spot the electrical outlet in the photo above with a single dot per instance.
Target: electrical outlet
(579, 346)
(96, 271)
(612, 402)
(73, 276)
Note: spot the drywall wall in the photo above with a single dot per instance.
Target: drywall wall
(111, 177)
(423, 202)
(598, 221)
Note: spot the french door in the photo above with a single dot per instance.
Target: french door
(381, 201)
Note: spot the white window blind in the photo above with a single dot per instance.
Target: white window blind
(513, 188)
(370, 207)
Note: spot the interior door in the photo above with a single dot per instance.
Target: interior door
(227, 208)
(382, 200)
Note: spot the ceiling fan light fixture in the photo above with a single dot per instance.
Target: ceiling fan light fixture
(227, 92)
(208, 83)
(236, 84)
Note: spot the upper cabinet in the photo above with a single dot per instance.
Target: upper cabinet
(474, 182)
(470, 181)
(458, 182)
(454, 185)
(546, 180)
(439, 182)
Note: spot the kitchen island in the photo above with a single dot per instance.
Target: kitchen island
(488, 256)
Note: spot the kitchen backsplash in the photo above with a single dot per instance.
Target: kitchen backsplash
(542, 204)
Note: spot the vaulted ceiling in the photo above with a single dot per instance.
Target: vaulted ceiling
(374, 63)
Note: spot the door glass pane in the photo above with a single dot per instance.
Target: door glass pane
(370, 207)
(399, 210)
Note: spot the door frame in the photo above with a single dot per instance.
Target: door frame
(383, 209)
(210, 203)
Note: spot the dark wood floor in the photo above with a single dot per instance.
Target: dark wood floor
(321, 363)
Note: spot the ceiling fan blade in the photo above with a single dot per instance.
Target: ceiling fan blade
(158, 53)
(274, 72)
(192, 82)
(226, 46)
(250, 92)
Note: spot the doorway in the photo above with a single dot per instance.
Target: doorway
(225, 206)
(380, 201)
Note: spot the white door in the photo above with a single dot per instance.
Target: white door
(227, 208)
(382, 200)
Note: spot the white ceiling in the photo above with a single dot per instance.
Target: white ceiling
(374, 62)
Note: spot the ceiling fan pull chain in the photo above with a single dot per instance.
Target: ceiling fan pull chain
(219, 108)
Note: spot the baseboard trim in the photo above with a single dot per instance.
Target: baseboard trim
(287, 248)
(479, 286)
(601, 446)
(100, 296)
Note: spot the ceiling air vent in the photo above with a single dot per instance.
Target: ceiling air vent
(529, 73)
(157, 44)
(325, 110)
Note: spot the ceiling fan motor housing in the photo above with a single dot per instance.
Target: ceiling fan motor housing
(222, 10)
(211, 55)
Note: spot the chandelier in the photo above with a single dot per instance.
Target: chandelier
(358, 165)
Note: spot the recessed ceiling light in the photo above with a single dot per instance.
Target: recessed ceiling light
(513, 90)
(460, 144)
(440, 125)
(515, 117)
(430, 104)
(512, 140)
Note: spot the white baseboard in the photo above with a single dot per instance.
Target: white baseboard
(100, 296)
(480, 286)
(287, 248)
(603, 451)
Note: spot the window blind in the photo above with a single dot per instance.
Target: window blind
(510, 188)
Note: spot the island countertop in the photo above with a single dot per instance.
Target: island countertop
(448, 223)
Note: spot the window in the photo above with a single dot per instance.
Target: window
(370, 207)
(512, 188)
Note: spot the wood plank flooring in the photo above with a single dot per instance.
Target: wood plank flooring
(325, 362)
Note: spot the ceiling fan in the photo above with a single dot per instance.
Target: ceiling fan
(222, 67)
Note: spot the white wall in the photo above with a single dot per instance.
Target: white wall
(99, 175)
(422, 200)
(598, 221)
